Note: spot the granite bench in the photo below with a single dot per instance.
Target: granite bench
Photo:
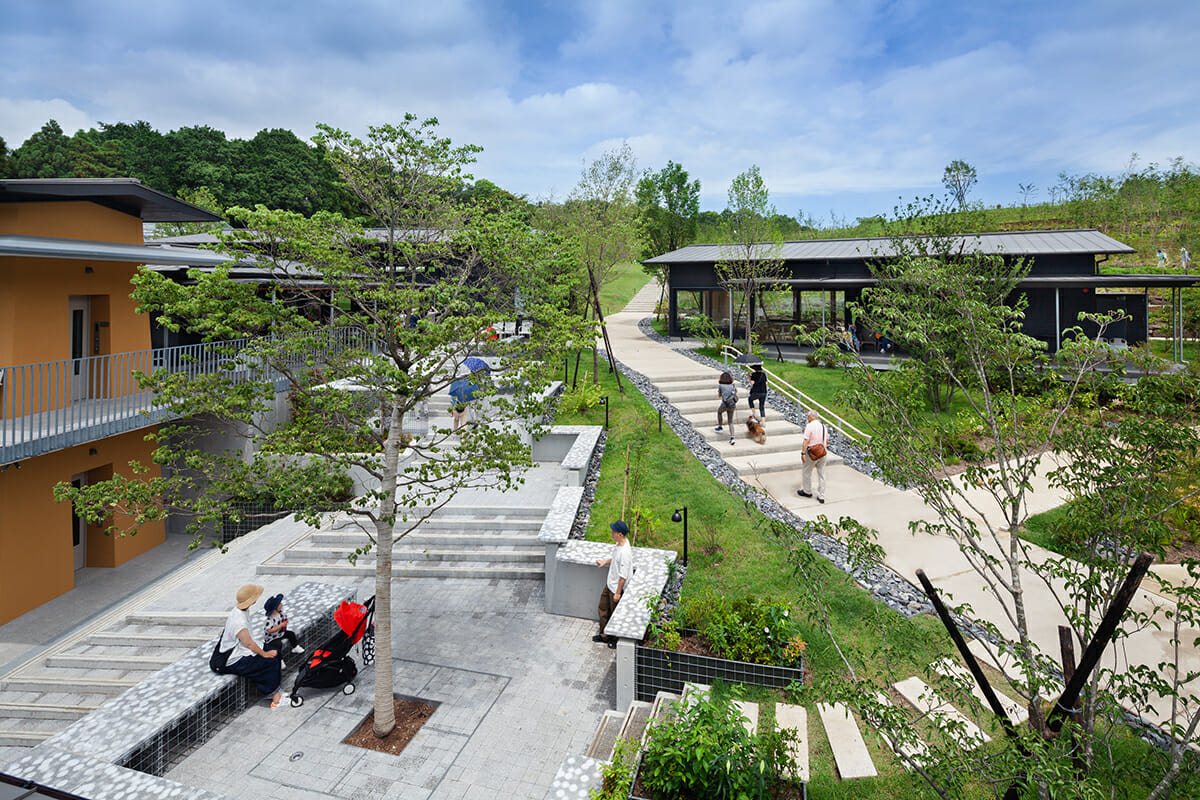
(119, 749)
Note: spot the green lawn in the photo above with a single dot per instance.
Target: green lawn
(624, 281)
(729, 552)
(1161, 348)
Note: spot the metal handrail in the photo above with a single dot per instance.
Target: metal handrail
(805, 401)
(52, 405)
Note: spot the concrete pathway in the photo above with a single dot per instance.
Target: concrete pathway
(886, 509)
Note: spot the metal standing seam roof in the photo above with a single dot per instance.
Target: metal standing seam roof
(84, 250)
(1015, 243)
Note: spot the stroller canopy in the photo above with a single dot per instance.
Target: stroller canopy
(350, 617)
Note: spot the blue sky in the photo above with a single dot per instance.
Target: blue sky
(846, 106)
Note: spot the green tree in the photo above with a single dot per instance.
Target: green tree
(950, 304)
(601, 220)
(751, 260)
(4, 158)
(278, 170)
(669, 204)
(45, 154)
(409, 307)
(200, 156)
(94, 157)
(958, 178)
(200, 196)
(144, 153)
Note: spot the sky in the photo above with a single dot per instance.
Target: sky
(848, 107)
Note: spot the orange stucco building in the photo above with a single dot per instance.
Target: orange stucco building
(69, 339)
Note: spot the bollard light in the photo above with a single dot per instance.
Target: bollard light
(677, 517)
(604, 402)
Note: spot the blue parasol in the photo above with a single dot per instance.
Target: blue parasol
(475, 364)
(463, 391)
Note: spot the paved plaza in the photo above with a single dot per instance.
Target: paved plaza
(517, 689)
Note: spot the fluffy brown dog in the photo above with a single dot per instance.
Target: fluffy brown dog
(758, 431)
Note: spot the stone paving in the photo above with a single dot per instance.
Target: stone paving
(517, 689)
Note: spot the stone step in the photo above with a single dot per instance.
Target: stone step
(473, 571)
(106, 661)
(761, 464)
(749, 712)
(400, 555)
(486, 522)
(850, 752)
(23, 739)
(1008, 666)
(692, 692)
(40, 711)
(605, 738)
(790, 717)
(74, 684)
(476, 511)
(1016, 712)
(705, 423)
(426, 539)
(953, 722)
(914, 751)
(164, 639)
(197, 619)
(783, 443)
(703, 376)
(698, 408)
(664, 707)
(706, 393)
(633, 725)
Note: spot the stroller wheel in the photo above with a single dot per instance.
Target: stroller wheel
(297, 701)
(348, 688)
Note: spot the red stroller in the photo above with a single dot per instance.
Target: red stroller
(330, 664)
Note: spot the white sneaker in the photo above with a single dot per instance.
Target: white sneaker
(731, 440)
(298, 649)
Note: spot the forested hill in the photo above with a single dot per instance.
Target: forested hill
(274, 168)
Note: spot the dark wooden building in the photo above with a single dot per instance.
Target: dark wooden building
(1063, 279)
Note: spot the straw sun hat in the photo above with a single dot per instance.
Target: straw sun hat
(247, 595)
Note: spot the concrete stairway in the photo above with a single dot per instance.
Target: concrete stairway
(47, 693)
(457, 541)
(636, 720)
(696, 400)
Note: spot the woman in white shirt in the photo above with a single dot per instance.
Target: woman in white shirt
(247, 658)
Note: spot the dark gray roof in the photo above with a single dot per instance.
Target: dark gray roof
(1015, 243)
(46, 247)
(126, 195)
(1030, 282)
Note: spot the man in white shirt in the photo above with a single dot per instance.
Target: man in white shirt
(620, 570)
(814, 434)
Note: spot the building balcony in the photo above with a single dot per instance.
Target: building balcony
(58, 404)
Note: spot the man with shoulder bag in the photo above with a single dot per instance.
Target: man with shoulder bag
(814, 452)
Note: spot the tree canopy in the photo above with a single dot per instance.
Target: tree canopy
(958, 177)
(669, 204)
(360, 328)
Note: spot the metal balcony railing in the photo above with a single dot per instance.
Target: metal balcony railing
(57, 404)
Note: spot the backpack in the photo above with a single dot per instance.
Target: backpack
(729, 399)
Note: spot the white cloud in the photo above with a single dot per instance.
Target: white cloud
(21, 118)
(826, 96)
